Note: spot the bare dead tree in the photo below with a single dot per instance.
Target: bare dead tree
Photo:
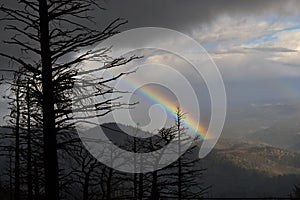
(165, 182)
(29, 151)
(189, 171)
(50, 31)
(295, 194)
(16, 138)
(15, 118)
(179, 118)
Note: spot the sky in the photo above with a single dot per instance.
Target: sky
(247, 39)
(255, 44)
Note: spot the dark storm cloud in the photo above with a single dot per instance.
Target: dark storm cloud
(179, 15)
(185, 15)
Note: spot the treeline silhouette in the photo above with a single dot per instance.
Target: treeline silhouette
(42, 155)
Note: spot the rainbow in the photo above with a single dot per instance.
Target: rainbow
(170, 107)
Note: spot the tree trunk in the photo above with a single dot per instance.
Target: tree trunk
(109, 179)
(29, 164)
(141, 180)
(179, 180)
(179, 118)
(134, 175)
(86, 187)
(17, 147)
(49, 132)
(154, 192)
(10, 177)
(141, 188)
(36, 181)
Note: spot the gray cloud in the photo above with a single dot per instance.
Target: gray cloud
(273, 49)
(243, 50)
(185, 15)
(179, 15)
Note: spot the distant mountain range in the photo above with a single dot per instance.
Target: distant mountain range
(283, 134)
(245, 120)
(248, 169)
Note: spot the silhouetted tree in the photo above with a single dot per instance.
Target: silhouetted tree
(179, 118)
(164, 183)
(296, 192)
(183, 178)
(50, 31)
(14, 136)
